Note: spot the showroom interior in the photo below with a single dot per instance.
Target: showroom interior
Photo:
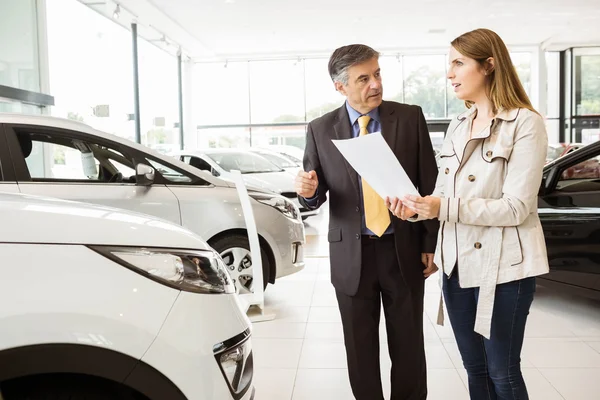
(139, 111)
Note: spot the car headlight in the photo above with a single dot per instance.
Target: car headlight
(283, 205)
(236, 363)
(198, 271)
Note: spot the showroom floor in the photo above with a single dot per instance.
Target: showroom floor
(300, 354)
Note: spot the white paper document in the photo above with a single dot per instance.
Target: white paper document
(374, 161)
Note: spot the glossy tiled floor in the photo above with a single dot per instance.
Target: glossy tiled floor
(300, 355)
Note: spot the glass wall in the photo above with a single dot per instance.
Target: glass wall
(19, 66)
(91, 68)
(239, 104)
(159, 101)
(587, 82)
(586, 97)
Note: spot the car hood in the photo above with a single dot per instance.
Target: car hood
(278, 182)
(35, 219)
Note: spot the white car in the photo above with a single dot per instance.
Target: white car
(278, 159)
(69, 160)
(102, 303)
(256, 171)
(294, 153)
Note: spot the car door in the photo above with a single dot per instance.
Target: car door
(569, 209)
(78, 166)
(7, 174)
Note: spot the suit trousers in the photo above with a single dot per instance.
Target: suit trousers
(381, 280)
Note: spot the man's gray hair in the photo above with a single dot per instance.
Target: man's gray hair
(347, 56)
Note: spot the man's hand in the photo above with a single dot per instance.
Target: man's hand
(398, 208)
(430, 267)
(306, 184)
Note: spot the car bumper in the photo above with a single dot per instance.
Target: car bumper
(185, 351)
(288, 242)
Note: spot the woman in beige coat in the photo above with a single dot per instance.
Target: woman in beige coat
(490, 243)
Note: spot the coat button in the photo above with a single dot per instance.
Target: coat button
(471, 178)
(489, 153)
(357, 209)
(446, 171)
(478, 245)
(357, 236)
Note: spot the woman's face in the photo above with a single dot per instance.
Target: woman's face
(467, 76)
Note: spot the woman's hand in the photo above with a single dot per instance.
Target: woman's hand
(398, 209)
(427, 207)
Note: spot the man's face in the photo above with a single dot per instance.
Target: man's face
(364, 90)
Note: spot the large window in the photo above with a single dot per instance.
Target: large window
(391, 76)
(91, 69)
(522, 63)
(277, 91)
(256, 103)
(19, 65)
(587, 81)
(425, 84)
(159, 110)
(220, 92)
(321, 96)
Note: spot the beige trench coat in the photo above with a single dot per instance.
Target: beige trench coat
(488, 185)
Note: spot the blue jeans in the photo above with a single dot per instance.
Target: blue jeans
(493, 366)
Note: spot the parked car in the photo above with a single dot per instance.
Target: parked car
(294, 153)
(256, 171)
(558, 150)
(70, 160)
(569, 209)
(279, 159)
(102, 303)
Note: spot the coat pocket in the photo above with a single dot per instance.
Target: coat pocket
(334, 235)
(512, 250)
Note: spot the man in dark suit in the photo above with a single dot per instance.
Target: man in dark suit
(374, 256)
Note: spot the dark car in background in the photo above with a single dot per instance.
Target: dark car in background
(569, 209)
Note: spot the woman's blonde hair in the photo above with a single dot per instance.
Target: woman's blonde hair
(504, 87)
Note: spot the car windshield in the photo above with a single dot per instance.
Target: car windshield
(280, 161)
(554, 153)
(246, 163)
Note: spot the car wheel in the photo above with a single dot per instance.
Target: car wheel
(235, 251)
(52, 387)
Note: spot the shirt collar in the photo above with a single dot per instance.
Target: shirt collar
(354, 115)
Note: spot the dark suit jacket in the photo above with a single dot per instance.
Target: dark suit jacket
(405, 130)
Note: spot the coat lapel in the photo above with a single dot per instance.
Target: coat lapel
(343, 131)
(389, 125)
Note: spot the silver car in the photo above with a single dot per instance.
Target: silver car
(256, 171)
(278, 159)
(70, 160)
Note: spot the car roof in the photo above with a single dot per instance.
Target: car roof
(63, 123)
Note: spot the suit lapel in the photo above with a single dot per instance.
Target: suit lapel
(343, 131)
(389, 125)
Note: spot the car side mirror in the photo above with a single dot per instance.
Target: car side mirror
(215, 172)
(144, 175)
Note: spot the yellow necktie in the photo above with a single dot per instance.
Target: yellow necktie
(376, 214)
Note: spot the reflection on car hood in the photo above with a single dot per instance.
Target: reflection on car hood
(278, 182)
(34, 219)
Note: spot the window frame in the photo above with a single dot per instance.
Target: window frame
(22, 172)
